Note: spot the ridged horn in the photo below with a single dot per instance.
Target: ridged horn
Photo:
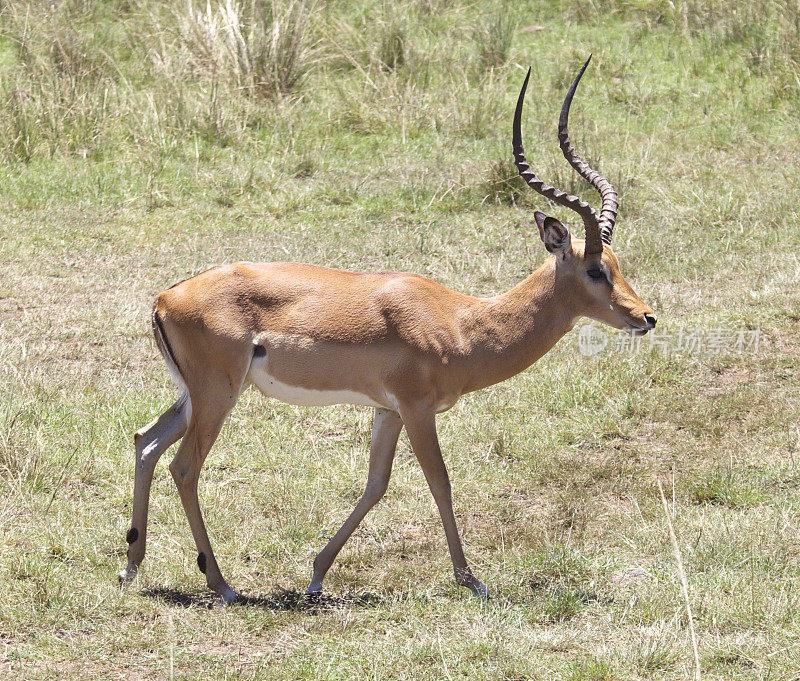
(608, 210)
(593, 242)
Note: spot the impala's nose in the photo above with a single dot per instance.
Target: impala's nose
(651, 321)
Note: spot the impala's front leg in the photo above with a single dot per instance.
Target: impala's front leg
(385, 430)
(421, 428)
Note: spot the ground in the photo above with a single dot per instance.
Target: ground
(141, 146)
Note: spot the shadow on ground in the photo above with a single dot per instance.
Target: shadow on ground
(279, 600)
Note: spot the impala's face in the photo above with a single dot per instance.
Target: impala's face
(601, 292)
(609, 298)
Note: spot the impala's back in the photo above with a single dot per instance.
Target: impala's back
(312, 335)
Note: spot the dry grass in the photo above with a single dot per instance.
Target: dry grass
(260, 48)
(133, 161)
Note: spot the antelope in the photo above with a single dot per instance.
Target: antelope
(397, 342)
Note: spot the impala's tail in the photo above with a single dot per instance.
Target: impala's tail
(166, 352)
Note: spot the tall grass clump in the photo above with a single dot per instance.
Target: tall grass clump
(504, 185)
(54, 97)
(261, 47)
(764, 36)
(378, 45)
(92, 79)
(493, 36)
(393, 44)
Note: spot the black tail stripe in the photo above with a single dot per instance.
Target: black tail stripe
(163, 335)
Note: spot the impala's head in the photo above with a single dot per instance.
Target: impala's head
(591, 268)
(598, 289)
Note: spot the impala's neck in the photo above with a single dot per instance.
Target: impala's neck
(511, 331)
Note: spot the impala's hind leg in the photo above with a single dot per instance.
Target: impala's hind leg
(209, 411)
(150, 443)
(385, 430)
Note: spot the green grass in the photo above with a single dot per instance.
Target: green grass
(378, 137)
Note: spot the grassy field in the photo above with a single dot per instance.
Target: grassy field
(143, 143)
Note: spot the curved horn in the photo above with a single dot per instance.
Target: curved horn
(608, 211)
(593, 242)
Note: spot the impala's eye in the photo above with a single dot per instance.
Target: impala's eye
(596, 274)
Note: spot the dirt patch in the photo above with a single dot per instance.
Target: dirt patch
(248, 652)
(75, 670)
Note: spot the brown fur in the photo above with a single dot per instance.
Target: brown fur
(408, 344)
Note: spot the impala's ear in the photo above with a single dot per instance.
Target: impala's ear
(554, 235)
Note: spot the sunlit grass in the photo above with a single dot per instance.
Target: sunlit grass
(131, 163)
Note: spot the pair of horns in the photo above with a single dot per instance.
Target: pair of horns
(598, 230)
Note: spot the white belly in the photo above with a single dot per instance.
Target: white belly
(292, 394)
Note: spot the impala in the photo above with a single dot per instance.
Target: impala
(397, 342)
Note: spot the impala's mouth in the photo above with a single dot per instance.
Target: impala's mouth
(641, 327)
(638, 330)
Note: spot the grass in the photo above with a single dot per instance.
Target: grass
(363, 136)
